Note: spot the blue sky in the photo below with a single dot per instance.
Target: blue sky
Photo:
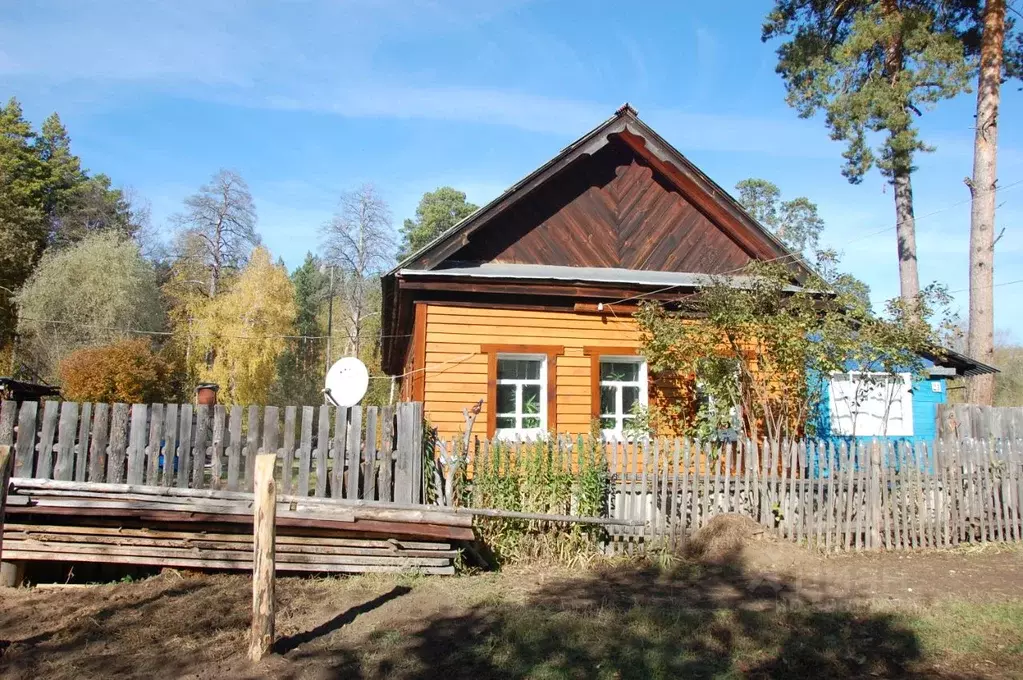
(306, 99)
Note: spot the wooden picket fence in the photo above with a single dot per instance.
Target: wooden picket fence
(974, 421)
(371, 453)
(831, 496)
(868, 495)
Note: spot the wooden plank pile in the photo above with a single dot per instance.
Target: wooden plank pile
(50, 520)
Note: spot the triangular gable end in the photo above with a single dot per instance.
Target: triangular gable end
(619, 197)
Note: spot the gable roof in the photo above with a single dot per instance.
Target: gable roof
(625, 126)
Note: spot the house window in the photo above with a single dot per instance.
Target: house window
(871, 404)
(521, 395)
(623, 388)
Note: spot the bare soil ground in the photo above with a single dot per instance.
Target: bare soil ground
(738, 606)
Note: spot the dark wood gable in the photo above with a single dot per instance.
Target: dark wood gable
(611, 209)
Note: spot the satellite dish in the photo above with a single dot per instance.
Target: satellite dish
(346, 382)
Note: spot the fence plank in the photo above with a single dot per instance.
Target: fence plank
(920, 460)
(339, 447)
(628, 491)
(369, 468)
(408, 449)
(831, 504)
(155, 439)
(8, 418)
(1017, 466)
(322, 448)
(82, 448)
(251, 445)
(305, 451)
(184, 462)
(662, 522)
(385, 488)
(199, 448)
(941, 492)
(271, 433)
(934, 492)
(1014, 484)
(417, 457)
(705, 513)
(118, 443)
(98, 446)
(844, 514)
(892, 498)
(68, 430)
(738, 472)
(217, 447)
(816, 466)
(685, 499)
(288, 463)
(984, 497)
(906, 470)
(234, 449)
(137, 444)
(353, 452)
(170, 449)
(995, 473)
(44, 456)
(643, 492)
(674, 506)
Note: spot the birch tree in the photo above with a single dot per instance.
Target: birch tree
(222, 217)
(248, 327)
(358, 243)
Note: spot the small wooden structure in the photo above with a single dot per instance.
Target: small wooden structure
(19, 390)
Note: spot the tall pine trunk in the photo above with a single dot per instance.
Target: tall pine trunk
(980, 389)
(905, 231)
(901, 169)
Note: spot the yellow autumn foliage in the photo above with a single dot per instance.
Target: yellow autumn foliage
(238, 335)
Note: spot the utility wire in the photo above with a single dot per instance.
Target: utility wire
(137, 331)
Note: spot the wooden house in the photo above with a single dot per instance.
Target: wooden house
(527, 303)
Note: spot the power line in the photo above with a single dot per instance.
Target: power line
(136, 331)
(996, 285)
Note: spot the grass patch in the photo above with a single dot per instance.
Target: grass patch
(970, 629)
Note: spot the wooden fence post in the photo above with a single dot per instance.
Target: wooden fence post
(6, 460)
(261, 635)
(11, 573)
(874, 491)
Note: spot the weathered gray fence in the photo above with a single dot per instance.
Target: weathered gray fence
(832, 496)
(973, 421)
(366, 453)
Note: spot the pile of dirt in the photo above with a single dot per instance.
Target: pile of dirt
(725, 539)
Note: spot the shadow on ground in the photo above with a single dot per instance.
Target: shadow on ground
(697, 620)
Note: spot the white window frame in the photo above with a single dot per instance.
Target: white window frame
(853, 420)
(618, 432)
(518, 430)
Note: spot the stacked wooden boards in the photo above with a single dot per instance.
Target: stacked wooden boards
(49, 520)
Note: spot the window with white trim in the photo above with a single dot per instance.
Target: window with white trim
(871, 404)
(623, 388)
(521, 407)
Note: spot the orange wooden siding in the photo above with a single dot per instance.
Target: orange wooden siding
(456, 367)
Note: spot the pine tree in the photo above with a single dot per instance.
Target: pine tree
(871, 66)
(22, 210)
(437, 212)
